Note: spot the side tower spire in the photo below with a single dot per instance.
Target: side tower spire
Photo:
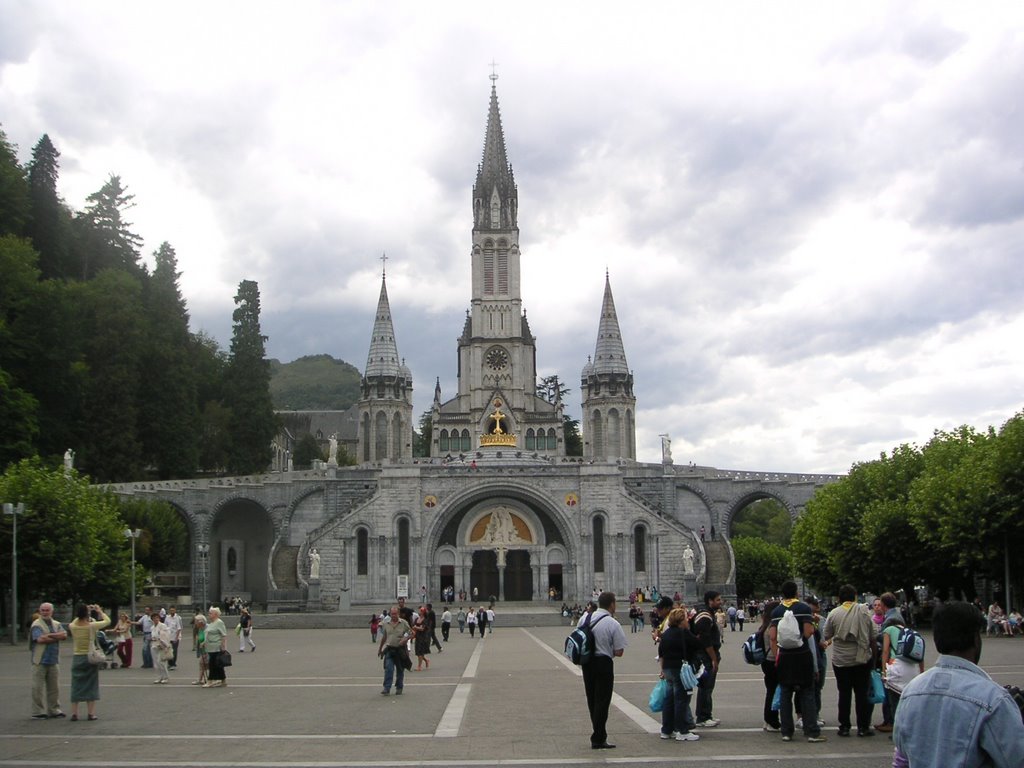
(385, 403)
(609, 406)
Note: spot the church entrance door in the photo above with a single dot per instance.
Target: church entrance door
(483, 575)
(518, 575)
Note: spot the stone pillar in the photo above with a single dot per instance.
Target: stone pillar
(501, 582)
(313, 596)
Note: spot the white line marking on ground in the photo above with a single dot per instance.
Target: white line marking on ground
(474, 661)
(450, 722)
(673, 759)
(647, 723)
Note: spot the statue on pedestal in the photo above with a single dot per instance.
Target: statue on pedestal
(666, 449)
(314, 565)
(688, 561)
(332, 456)
(69, 460)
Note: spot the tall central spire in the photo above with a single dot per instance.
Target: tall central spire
(610, 355)
(495, 198)
(383, 358)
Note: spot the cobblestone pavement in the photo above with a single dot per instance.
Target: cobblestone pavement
(312, 698)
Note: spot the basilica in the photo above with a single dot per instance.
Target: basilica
(498, 509)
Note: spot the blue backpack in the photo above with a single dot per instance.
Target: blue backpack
(910, 645)
(753, 649)
(579, 645)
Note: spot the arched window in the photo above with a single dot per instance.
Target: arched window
(465, 440)
(598, 545)
(403, 547)
(596, 435)
(366, 437)
(397, 438)
(380, 437)
(639, 548)
(614, 433)
(531, 440)
(362, 552)
(443, 441)
(552, 440)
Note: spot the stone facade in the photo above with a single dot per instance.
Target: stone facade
(498, 509)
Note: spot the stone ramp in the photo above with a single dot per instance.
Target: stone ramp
(521, 614)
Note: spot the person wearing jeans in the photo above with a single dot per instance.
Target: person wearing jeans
(394, 634)
(677, 647)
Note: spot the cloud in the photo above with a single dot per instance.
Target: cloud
(811, 216)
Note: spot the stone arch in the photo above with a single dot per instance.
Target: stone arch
(242, 532)
(737, 504)
(462, 503)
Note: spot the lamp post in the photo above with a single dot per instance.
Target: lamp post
(133, 535)
(204, 559)
(14, 510)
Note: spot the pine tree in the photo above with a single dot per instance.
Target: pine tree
(170, 427)
(113, 327)
(253, 423)
(14, 199)
(105, 240)
(51, 221)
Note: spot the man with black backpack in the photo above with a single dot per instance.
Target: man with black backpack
(599, 671)
(705, 627)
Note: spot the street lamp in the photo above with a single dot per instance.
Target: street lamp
(204, 560)
(14, 510)
(133, 535)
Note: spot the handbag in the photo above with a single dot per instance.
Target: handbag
(225, 658)
(777, 699)
(876, 694)
(166, 653)
(687, 677)
(96, 656)
(657, 700)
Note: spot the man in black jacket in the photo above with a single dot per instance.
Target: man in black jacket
(705, 627)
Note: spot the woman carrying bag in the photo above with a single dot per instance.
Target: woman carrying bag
(85, 674)
(678, 648)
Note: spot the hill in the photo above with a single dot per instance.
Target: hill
(313, 383)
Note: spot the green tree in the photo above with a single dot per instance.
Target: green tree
(170, 426)
(14, 199)
(554, 391)
(105, 239)
(307, 450)
(253, 423)
(422, 437)
(71, 544)
(114, 321)
(210, 364)
(50, 226)
(761, 567)
(164, 544)
(766, 519)
(18, 415)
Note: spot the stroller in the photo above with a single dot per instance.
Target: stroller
(108, 647)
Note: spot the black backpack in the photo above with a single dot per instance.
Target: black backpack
(753, 649)
(579, 645)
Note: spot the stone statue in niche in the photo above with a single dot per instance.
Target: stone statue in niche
(314, 564)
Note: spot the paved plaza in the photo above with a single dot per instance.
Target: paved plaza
(312, 698)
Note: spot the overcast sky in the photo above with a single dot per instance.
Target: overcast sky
(812, 215)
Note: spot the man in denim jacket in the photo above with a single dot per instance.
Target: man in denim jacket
(954, 715)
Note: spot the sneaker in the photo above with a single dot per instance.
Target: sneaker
(667, 736)
(816, 739)
(687, 737)
(398, 691)
(787, 738)
(46, 717)
(709, 723)
(844, 732)
(385, 692)
(769, 728)
(865, 732)
(884, 728)
(58, 715)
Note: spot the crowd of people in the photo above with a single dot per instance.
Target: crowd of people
(98, 642)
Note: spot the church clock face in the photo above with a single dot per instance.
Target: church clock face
(496, 359)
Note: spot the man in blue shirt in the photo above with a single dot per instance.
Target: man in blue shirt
(46, 635)
(953, 714)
